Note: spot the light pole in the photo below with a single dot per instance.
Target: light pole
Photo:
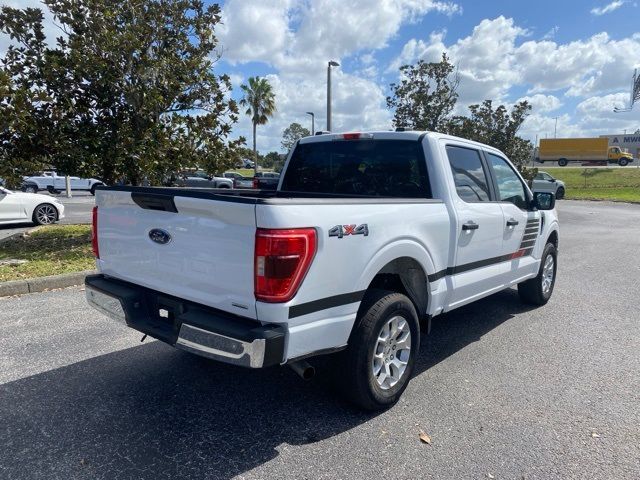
(313, 122)
(330, 64)
(555, 129)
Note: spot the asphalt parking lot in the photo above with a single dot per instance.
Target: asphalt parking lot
(504, 391)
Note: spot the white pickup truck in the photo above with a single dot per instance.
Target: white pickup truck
(368, 236)
(51, 181)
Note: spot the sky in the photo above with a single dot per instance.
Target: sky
(573, 60)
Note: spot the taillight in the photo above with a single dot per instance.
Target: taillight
(255, 182)
(282, 259)
(94, 232)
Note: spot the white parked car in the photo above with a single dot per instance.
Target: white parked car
(543, 182)
(51, 181)
(19, 207)
(367, 237)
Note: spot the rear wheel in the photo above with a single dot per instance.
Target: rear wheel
(538, 290)
(560, 193)
(562, 162)
(45, 214)
(377, 365)
(623, 162)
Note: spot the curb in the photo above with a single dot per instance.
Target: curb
(33, 285)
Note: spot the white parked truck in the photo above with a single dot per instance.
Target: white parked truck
(368, 236)
(51, 181)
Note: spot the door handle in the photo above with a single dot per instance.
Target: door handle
(512, 222)
(470, 226)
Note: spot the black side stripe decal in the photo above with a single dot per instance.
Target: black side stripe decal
(354, 297)
(479, 264)
(324, 303)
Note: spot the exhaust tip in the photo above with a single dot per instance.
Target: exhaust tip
(303, 369)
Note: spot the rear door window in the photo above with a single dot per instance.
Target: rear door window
(371, 168)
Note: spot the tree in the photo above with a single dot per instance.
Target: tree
(260, 102)
(498, 128)
(274, 160)
(128, 90)
(23, 113)
(425, 95)
(292, 134)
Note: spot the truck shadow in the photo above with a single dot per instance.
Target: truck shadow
(154, 412)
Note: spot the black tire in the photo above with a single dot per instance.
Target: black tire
(562, 162)
(560, 193)
(356, 376)
(623, 162)
(30, 188)
(39, 216)
(93, 188)
(532, 291)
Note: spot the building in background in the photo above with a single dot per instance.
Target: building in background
(626, 141)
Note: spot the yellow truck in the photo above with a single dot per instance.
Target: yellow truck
(587, 150)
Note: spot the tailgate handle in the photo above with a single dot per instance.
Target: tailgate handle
(155, 201)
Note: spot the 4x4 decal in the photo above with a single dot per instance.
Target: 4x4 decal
(344, 230)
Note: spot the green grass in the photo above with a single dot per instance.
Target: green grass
(619, 184)
(50, 250)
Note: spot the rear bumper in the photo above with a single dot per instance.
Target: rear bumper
(186, 325)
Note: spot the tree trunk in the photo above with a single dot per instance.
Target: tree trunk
(255, 151)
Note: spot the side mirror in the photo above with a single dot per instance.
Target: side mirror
(544, 200)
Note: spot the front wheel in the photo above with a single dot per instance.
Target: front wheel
(623, 162)
(560, 193)
(45, 214)
(562, 162)
(538, 290)
(30, 188)
(378, 363)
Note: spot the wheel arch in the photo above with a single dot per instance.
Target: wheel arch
(403, 275)
(403, 267)
(553, 238)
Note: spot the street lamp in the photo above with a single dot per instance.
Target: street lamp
(330, 64)
(313, 122)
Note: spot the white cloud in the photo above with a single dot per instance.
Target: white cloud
(325, 29)
(542, 103)
(297, 39)
(491, 61)
(616, 4)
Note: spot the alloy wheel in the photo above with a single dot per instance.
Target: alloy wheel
(392, 352)
(46, 214)
(547, 274)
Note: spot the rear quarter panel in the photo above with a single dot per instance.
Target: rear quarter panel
(347, 265)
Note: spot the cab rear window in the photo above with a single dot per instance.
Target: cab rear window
(371, 168)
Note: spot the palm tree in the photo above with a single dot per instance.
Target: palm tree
(260, 102)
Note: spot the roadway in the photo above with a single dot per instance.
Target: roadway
(503, 390)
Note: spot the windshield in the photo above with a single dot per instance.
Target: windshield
(373, 168)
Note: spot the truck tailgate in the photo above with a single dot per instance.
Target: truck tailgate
(202, 248)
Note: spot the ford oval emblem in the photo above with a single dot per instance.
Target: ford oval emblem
(160, 236)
